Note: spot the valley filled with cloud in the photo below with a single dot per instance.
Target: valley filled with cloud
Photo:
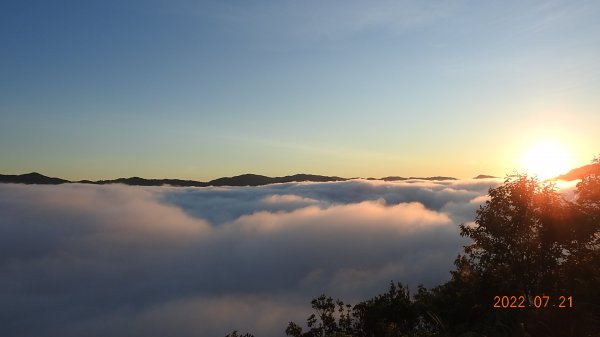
(115, 260)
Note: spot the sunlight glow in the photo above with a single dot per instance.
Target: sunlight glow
(547, 159)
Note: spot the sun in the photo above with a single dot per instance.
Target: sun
(547, 159)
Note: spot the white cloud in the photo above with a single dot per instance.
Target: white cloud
(116, 260)
(287, 199)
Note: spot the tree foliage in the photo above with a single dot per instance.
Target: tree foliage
(519, 237)
(331, 319)
(393, 313)
(390, 314)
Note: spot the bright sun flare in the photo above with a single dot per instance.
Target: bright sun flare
(547, 159)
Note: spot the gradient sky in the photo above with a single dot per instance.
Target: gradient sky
(203, 89)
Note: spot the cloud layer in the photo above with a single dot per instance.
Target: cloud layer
(134, 261)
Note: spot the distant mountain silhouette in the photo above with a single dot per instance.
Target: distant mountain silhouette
(578, 173)
(137, 181)
(309, 177)
(31, 178)
(395, 178)
(247, 179)
(258, 180)
(241, 180)
(434, 178)
(484, 176)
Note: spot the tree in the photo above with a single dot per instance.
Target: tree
(588, 204)
(582, 268)
(327, 321)
(390, 314)
(517, 242)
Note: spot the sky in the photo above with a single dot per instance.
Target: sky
(204, 89)
(116, 260)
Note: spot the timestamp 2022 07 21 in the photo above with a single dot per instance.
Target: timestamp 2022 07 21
(538, 302)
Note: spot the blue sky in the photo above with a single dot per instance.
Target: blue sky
(202, 89)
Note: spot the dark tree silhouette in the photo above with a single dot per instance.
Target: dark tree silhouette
(582, 268)
(326, 321)
(588, 207)
(389, 314)
(517, 242)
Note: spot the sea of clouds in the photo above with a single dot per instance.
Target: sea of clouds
(114, 260)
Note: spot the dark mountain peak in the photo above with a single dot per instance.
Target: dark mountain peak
(33, 175)
(259, 180)
(484, 176)
(248, 176)
(247, 179)
(137, 181)
(31, 178)
(85, 181)
(435, 178)
(300, 177)
(393, 178)
(396, 178)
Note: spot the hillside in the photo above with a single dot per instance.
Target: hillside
(31, 178)
(578, 173)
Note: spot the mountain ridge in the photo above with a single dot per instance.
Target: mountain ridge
(484, 176)
(247, 179)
